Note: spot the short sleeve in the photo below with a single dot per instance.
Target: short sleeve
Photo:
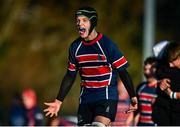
(72, 64)
(118, 60)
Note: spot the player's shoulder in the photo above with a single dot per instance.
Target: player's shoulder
(141, 86)
(107, 41)
(76, 42)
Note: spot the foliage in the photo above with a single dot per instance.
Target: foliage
(35, 36)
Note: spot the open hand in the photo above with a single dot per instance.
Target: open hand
(53, 108)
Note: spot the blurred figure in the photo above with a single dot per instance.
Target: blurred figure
(122, 118)
(147, 94)
(60, 121)
(17, 112)
(166, 109)
(53, 121)
(34, 116)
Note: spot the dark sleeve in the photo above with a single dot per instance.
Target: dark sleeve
(127, 81)
(66, 85)
(137, 95)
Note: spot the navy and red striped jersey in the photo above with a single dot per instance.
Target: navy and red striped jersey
(97, 62)
(146, 98)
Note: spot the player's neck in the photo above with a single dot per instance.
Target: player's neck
(92, 36)
(152, 80)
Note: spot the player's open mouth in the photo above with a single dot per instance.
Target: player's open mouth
(81, 30)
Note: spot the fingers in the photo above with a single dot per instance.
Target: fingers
(50, 111)
(134, 101)
(46, 110)
(164, 84)
(53, 108)
(56, 114)
(52, 114)
(163, 87)
(167, 80)
(48, 104)
(133, 105)
(130, 110)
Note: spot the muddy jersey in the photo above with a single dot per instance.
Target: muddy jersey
(98, 62)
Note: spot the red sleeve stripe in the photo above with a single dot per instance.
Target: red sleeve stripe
(120, 62)
(71, 67)
(95, 84)
(95, 70)
(91, 58)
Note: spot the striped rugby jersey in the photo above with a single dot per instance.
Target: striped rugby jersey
(146, 98)
(97, 62)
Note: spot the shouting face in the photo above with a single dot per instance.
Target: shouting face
(83, 25)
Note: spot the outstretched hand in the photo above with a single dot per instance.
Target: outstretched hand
(133, 106)
(53, 108)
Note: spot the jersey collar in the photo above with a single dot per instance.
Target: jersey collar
(93, 41)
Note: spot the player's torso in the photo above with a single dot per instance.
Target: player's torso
(98, 79)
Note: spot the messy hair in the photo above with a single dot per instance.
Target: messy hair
(172, 51)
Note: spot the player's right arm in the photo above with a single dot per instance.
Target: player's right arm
(66, 84)
(54, 107)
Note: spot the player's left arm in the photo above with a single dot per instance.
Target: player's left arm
(127, 81)
(119, 62)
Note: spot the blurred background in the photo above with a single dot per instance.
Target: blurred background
(35, 36)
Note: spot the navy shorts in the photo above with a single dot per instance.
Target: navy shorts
(87, 112)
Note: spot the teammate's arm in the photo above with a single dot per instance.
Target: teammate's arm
(164, 85)
(54, 107)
